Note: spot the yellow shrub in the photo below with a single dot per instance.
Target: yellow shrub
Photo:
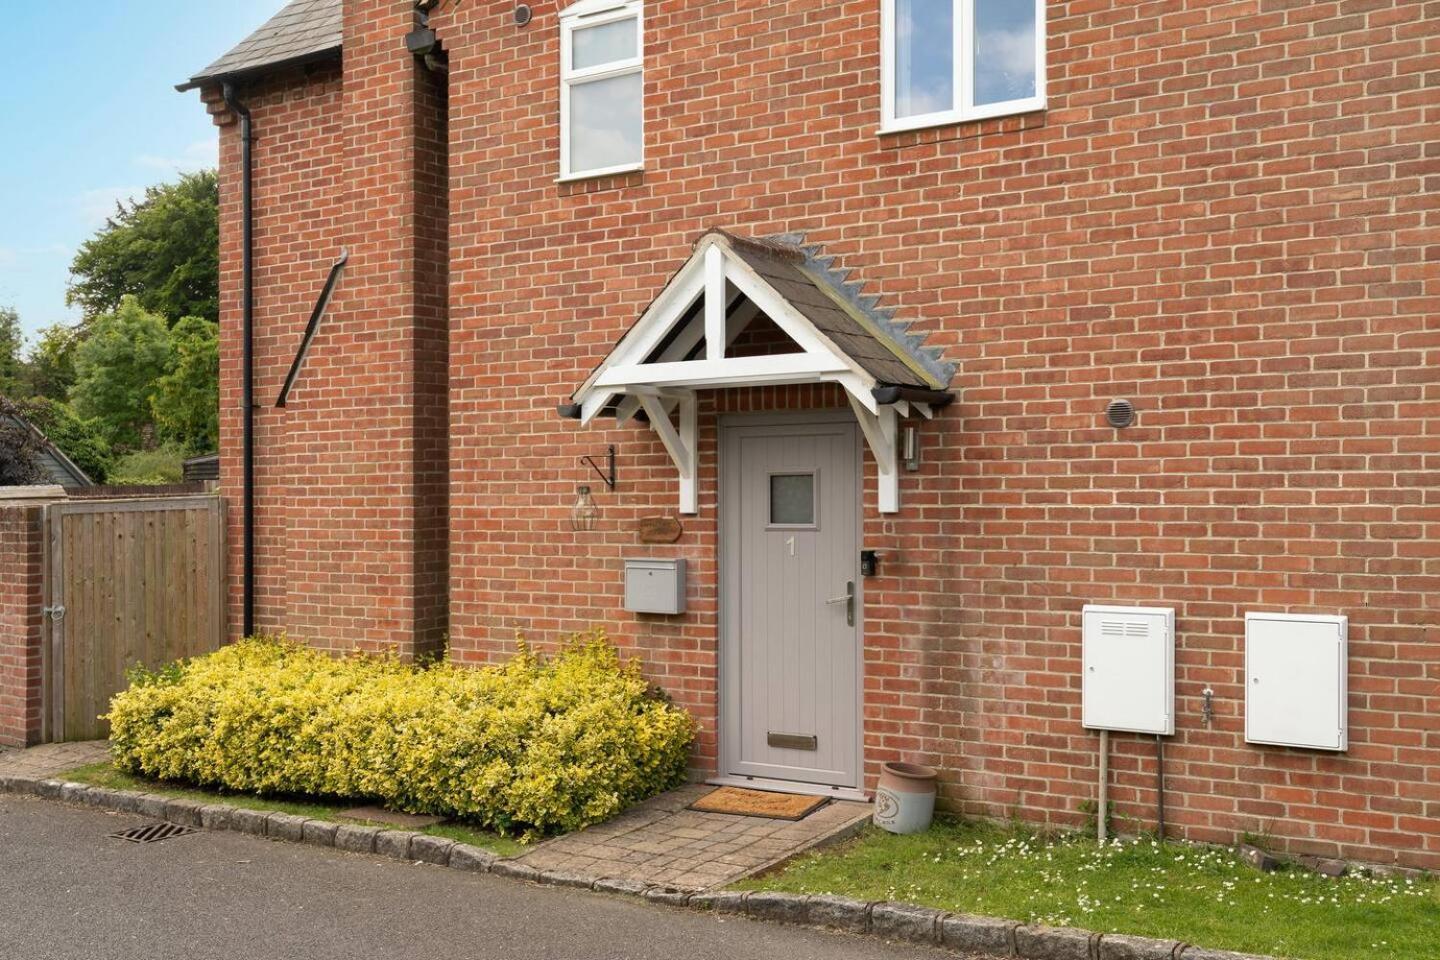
(531, 747)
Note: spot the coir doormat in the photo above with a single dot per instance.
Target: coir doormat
(759, 803)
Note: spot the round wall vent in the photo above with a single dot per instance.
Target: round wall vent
(523, 14)
(1120, 413)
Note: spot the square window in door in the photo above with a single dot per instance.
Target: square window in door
(792, 499)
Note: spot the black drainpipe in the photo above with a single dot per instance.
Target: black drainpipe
(247, 355)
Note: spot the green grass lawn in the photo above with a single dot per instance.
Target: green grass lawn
(107, 775)
(1204, 896)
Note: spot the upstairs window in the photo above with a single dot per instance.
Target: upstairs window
(602, 86)
(945, 61)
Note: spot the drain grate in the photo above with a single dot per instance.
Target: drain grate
(152, 832)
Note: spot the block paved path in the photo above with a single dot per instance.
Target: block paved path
(661, 842)
(52, 758)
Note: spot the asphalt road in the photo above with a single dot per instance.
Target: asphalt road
(68, 891)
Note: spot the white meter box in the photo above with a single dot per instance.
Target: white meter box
(1128, 667)
(1295, 680)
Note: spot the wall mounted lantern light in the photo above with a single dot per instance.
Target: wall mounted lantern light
(585, 513)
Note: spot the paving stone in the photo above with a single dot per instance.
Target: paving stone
(248, 821)
(838, 913)
(184, 812)
(778, 906)
(473, 859)
(393, 843)
(1200, 953)
(152, 806)
(904, 921)
(49, 789)
(128, 801)
(1324, 865)
(73, 792)
(620, 885)
(1258, 858)
(984, 935)
(102, 797)
(567, 878)
(216, 816)
(515, 870)
(1119, 946)
(720, 901)
(428, 849)
(286, 826)
(319, 832)
(1052, 943)
(355, 838)
(668, 896)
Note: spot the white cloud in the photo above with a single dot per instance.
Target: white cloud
(199, 155)
(95, 206)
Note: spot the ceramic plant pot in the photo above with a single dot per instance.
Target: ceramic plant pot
(905, 797)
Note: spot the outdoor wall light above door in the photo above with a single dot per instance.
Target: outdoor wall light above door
(585, 513)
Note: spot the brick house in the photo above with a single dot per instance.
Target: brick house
(1051, 305)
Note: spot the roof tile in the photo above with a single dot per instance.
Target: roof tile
(304, 28)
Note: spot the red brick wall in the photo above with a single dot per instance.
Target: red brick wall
(351, 476)
(1227, 214)
(21, 625)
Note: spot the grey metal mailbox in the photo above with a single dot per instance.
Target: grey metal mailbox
(655, 586)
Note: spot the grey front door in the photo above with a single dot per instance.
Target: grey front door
(790, 599)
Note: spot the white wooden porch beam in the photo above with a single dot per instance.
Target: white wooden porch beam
(715, 303)
(731, 372)
(680, 444)
(881, 433)
(681, 346)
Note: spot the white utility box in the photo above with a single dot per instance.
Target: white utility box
(1128, 663)
(1295, 680)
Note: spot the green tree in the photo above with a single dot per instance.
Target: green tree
(164, 250)
(19, 451)
(12, 367)
(187, 398)
(80, 440)
(116, 370)
(50, 368)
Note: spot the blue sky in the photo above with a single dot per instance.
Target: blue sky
(89, 113)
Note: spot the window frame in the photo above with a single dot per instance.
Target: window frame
(962, 109)
(770, 522)
(595, 13)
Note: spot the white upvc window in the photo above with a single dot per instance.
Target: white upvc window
(602, 88)
(947, 61)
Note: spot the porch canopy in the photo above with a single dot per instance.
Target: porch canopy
(683, 342)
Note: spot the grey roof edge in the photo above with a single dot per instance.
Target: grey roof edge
(838, 283)
(301, 31)
(259, 70)
(70, 466)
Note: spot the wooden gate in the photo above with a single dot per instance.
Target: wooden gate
(128, 582)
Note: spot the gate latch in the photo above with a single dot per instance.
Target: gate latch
(56, 612)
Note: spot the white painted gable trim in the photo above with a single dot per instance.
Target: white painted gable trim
(716, 273)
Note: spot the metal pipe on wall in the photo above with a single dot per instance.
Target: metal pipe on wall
(1102, 810)
(247, 355)
(1160, 786)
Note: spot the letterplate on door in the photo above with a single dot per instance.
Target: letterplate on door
(793, 741)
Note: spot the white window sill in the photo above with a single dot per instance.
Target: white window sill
(597, 174)
(953, 117)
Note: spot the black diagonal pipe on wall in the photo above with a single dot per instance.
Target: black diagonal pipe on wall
(247, 355)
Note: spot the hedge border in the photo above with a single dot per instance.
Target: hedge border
(896, 922)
